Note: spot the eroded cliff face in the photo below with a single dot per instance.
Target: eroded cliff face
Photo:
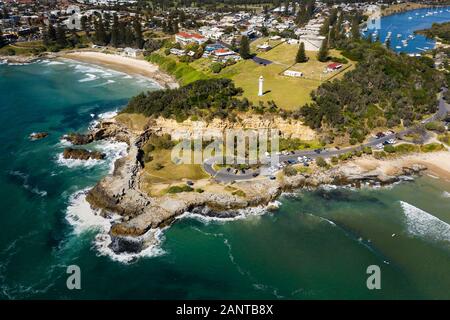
(215, 128)
(120, 192)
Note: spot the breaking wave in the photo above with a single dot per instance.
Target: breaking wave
(421, 223)
(205, 216)
(83, 218)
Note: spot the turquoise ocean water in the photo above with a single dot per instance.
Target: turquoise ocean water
(317, 245)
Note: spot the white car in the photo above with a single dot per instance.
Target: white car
(379, 146)
(391, 141)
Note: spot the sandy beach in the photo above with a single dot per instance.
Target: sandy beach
(124, 64)
(438, 163)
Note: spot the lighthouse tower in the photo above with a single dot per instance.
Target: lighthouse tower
(261, 82)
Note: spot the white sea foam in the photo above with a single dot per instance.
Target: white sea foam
(107, 115)
(105, 83)
(241, 214)
(153, 249)
(446, 194)
(90, 77)
(82, 218)
(72, 163)
(113, 150)
(54, 63)
(421, 223)
(26, 185)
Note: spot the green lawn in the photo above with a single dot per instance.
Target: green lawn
(287, 92)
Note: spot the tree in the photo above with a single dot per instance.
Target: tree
(100, 33)
(301, 55)
(322, 55)
(355, 29)
(244, 49)
(84, 23)
(61, 37)
(2, 40)
(139, 40)
(115, 32)
(51, 32)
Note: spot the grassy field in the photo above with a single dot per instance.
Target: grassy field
(134, 121)
(287, 92)
(163, 170)
(183, 72)
(23, 48)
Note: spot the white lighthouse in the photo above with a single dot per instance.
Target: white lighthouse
(261, 83)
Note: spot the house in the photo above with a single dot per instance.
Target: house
(292, 73)
(264, 47)
(177, 52)
(333, 66)
(225, 54)
(293, 41)
(185, 38)
(130, 52)
(312, 42)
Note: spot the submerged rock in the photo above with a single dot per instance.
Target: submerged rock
(38, 135)
(79, 139)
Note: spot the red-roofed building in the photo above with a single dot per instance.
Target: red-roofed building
(185, 38)
(333, 66)
(224, 54)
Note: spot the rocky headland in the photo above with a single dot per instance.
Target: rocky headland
(140, 213)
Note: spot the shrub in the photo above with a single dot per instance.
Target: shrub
(367, 150)
(445, 138)
(389, 148)
(216, 67)
(334, 160)
(432, 147)
(321, 162)
(379, 155)
(158, 166)
(289, 171)
(179, 189)
(435, 126)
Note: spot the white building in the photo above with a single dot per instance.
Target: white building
(131, 53)
(312, 43)
(292, 73)
(185, 38)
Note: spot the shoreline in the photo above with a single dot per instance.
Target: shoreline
(120, 192)
(119, 63)
(127, 65)
(410, 6)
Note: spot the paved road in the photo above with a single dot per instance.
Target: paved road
(262, 61)
(225, 176)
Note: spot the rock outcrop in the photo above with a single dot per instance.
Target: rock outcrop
(120, 192)
(38, 135)
(104, 130)
(82, 154)
(216, 127)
